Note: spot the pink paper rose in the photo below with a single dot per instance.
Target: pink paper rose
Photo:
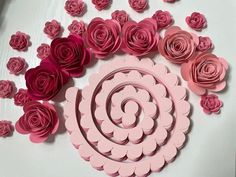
(163, 19)
(6, 128)
(196, 21)
(211, 104)
(103, 36)
(52, 29)
(43, 51)
(121, 16)
(70, 54)
(205, 72)
(6, 88)
(205, 44)
(101, 4)
(141, 38)
(138, 5)
(21, 97)
(178, 46)
(16, 65)
(75, 7)
(39, 120)
(45, 81)
(77, 28)
(19, 41)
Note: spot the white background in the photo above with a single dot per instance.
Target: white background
(210, 150)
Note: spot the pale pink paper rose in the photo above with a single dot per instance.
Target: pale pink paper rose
(22, 97)
(178, 46)
(6, 88)
(16, 65)
(75, 7)
(6, 128)
(196, 21)
(163, 19)
(19, 41)
(211, 104)
(120, 16)
(43, 51)
(52, 29)
(101, 4)
(205, 44)
(77, 28)
(138, 5)
(206, 72)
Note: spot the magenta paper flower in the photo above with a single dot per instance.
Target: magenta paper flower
(52, 29)
(43, 51)
(16, 65)
(205, 72)
(138, 5)
(6, 128)
(101, 4)
(6, 88)
(19, 41)
(77, 28)
(196, 21)
(205, 44)
(120, 16)
(211, 104)
(22, 97)
(163, 19)
(39, 120)
(75, 7)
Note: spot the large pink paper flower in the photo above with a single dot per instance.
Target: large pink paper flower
(43, 51)
(163, 19)
(6, 88)
(121, 16)
(205, 44)
(45, 81)
(140, 38)
(211, 104)
(138, 5)
(52, 29)
(75, 7)
(103, 36)
(70, 54)
(178, 46)
(16, 65)
(205, 72)
(77, 28)
(101, 4)
(196, 21)
(19, 41)
(6, 128)
(39, 120)
(22, 97)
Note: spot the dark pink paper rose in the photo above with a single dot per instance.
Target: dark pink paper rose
(205, 44)
(52, 29)
(101, 4)
(6, 88)
(39, 120)
(196, 21)
(163, 19)
(70, 54)
(75, 7)
(121, 16)
(138, 5)
(205, 72)
(103, 37)
(141, 38)
(211, 104)
(45, 81)
(19, 41)
(16, 65)
(77, 28)
(22, 97)
(178, 46)
(43, 51)
(6, 128)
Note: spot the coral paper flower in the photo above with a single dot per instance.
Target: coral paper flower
(205, 72)
(19, 41)
(138, 5)
(6, 88)
(121, 16)
(22, 97)
(43, 51)
(101, 4)
(205, 44)
(75, 7)
(211, 104)
(39, 120)
(196, 21)
(16, 65)
(77, 28)
(163, 19)
(52, 29)
(6, 128)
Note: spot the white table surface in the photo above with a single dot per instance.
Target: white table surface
(210, 150)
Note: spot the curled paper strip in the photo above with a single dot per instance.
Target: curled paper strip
(132, 118)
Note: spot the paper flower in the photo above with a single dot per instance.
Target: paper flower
(120, 16)
(16, 65)
(43, 51)
(196, 21)
(6, 128)
(101, 4)
(205, 72)
(52, 29)
(178, 46)
(205, 44)
(211, 104)
(75, 7)
(6, 88)
(21, 97)
(163, 19)
(103, 37)
(138, 5)
(19, 41)
(39, 120)
(141, 38)
(77, 28)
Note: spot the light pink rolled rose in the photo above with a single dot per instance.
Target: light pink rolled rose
(163, 19)
(22, 97)
(141, 38)
(138, 5)
(178, 46)
(205, 44)
(77, 28)
(101, 4)
(6, 128)
(6, 88)
(211, 104)
(205, 72)
(16, 65)
(19, 41)
(196, 21)
(43, 51)
(75, 7)
(52, 29)
(121, 16)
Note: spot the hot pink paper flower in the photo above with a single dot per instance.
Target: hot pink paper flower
(178, 46)
(6, 128)
(205, 72)
(196, 21)
(19, 41)
(103, 36)
(6, 88)
(101, 4)
(45, 81)
(16, 65)
(21, 97)
(121, 16)
(75, 7)
(138, 5)
(163, 19)
(77, 28)
(205, 44)
(43, 51)
(141, 38)
(211, 104)
(39, 120)
(70, 54)
(52, 29)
